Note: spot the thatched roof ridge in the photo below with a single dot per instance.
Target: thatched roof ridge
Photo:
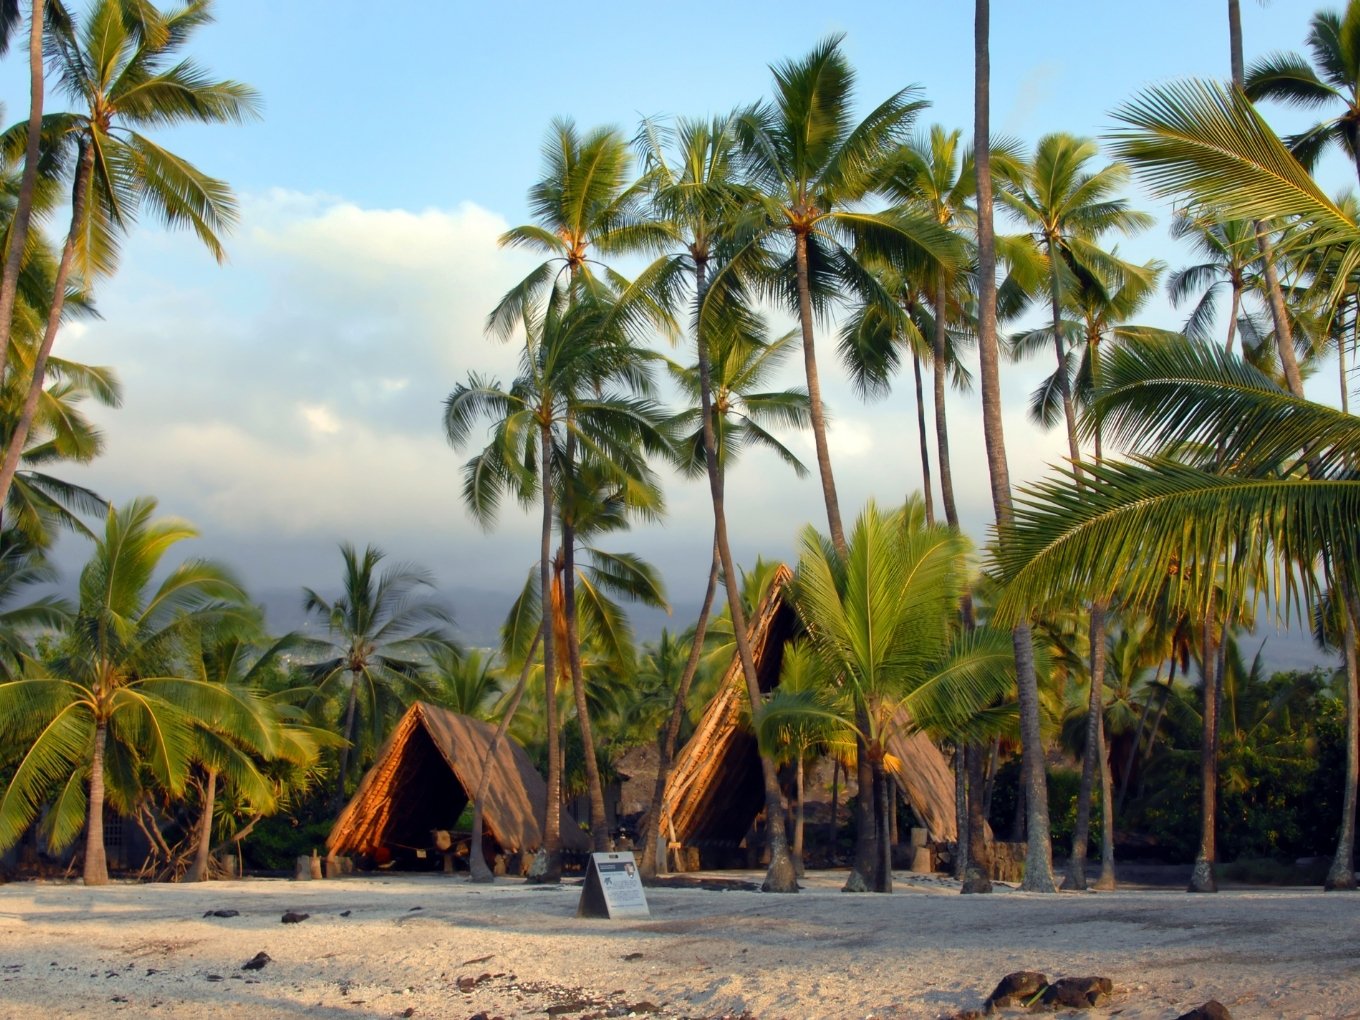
(515, 797)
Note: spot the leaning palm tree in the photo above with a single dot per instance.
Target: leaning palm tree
(118, 697)
(1230, 257)
(379, 638)
(1332, 79)
(1277, 521)
(123, 68)
(1039, 855)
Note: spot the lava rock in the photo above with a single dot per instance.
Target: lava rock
(1017, 989)
(1077, 993)
(221, 913)
(256, 962)
(293, 917)
(1211, 1010)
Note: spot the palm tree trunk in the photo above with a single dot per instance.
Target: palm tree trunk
(1341, 357)
(1284, 334)
(885, 805)
(925, 445)
(1235, 41)
(23, 208)
(1106, 881)
(477, 869)
(552, 812)
(654, 852)
(1202, 878)
(866, 819)
(599, 822)
(960, 812)
(1342, 872)
(1064, 378)
(1039, 856)
(781, 876)
(978, 877)
(348, 734)
(79, 198)
(814, 385)
(1132, 756)
(1234, 309)
(96, 863)
(940, 367)
(799, 792)
(198, 871)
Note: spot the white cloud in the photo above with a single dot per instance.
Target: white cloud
(319, 419)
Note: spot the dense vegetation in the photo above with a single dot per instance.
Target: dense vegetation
(1104, 625)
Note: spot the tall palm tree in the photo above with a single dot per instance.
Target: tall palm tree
(22, 565)
(812, 165)
(696, 197)
(1039, 855)
(378, 638)
(119, 695)
(573, 352)
(124, 69)
(1333, 79)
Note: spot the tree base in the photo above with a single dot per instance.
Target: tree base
(976, 882)
(1106, 882)
(1341, 878)
(1075, 878)
(1202, 878)
(855, 883)
(781, 878)
(545, 870)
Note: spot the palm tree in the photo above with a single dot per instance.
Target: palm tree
(883, 622)
(119, 696)
(1333, 78)
(466, 682)
(122, 66)
(233, 757)
(379, 638)
(573, 351)
(812, 165)
(22, 566)
(1039, 855)
(696, 197)
(1228, 248)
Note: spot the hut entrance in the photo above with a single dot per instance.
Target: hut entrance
(408, 810)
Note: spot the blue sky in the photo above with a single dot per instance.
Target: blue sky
(291, 398)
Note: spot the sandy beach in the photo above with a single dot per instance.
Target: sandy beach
(429, 946)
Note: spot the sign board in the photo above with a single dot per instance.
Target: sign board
(613, 888)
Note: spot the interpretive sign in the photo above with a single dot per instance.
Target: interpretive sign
(613, 888)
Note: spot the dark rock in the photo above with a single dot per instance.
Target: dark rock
(1211, 1010)
(221, 913)
(414, 909)
(214, 977)
(632, 956)
(256, 962)
(409, 1011)
(965, 1014)
(1018, 989)
(346, 913)
(294, 918)
(1077, 993)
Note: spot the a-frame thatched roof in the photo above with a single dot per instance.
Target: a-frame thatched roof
(715, 790)
(423, 778)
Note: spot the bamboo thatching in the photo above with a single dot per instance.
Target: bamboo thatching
(714, 791)
(422, 781)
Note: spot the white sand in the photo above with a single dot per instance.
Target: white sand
(146, 950)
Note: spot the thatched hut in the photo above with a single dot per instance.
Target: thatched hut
(714, 792)
(422, 780)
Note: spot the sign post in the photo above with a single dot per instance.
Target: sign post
(613, 888)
